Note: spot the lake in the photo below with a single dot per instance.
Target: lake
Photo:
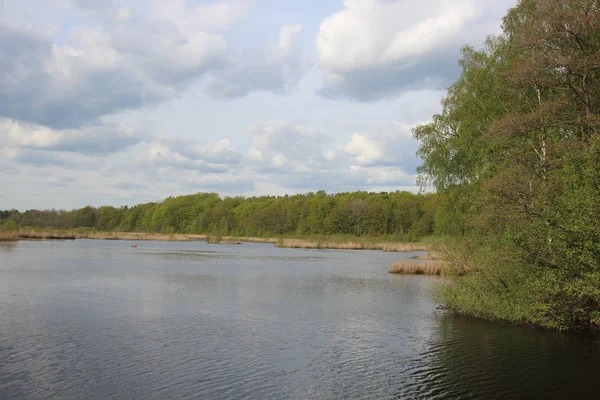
(174, 320)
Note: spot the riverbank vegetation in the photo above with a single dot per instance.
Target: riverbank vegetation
(515, 157)
(412, 267)
(337, 242)
(359, 217)
(350, 243)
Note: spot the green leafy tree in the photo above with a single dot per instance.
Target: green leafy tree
(516, 154)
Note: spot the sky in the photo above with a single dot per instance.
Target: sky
(117, 102)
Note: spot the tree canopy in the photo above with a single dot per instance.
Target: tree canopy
(516, 150)
(398, 215)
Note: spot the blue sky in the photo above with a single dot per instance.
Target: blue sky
(114, 102)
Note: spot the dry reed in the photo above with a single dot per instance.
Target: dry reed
(9, 235)
(350, 245)
(222, 240)
(406, 267)
(320, 243)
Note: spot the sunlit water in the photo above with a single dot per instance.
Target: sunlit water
(100, 319)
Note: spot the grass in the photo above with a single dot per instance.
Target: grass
(353, 244)
(430, 256)
(9, 235)
(408, 267)
(35, 234)
(49, 234)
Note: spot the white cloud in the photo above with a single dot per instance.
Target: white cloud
(39, 158)
(278, 144)
(364, 149)
(273, 67)
(381, 144)
(297, 157)
(123, 14)
(216, 17)
(178, 153)
(374, 48)
(224, 184)
(115, 59)
(99, 139)
(96, 72)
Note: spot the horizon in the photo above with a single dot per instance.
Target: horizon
(221, 196)
(107, 103)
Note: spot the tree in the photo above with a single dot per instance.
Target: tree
(520, 168)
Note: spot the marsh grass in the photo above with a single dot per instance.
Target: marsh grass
(9, 236)
(316, 242)
(36, 235)
(407, 267)
(355, 244)
(218, 239)
(430, 256)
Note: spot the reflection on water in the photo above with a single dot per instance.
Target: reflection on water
(7, 246)
(96, 319)
(471, 358)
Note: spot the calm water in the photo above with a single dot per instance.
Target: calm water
(99, 319)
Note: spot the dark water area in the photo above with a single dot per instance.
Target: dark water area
(101, 320)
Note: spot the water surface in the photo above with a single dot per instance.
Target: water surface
(100, 319)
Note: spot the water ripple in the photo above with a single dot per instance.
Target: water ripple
(256, 322)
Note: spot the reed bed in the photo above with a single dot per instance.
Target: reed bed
(337, 243)
(408, 267)
(49, 234)
(249, 239)
(222, 240)
(350, 245)
(430, 256)
(174, 237)
(9, 236)
(36, 235)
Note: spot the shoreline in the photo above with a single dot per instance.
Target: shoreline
(324, 242)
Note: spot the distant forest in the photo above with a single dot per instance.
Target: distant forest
(402, 216)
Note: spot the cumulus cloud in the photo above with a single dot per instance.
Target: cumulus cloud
(39, 158)
(116, 58)
(364, 150)
(375, 48)
(61, 181)
(97, 73)
(280, 145)
(299, 157)
(273, 67)
(179, 153)
(129, 185)
(215, 17)
(221, 184)
(98, 139)
(383, 144)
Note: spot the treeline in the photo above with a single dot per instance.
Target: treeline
(516, 155)
(400, 216)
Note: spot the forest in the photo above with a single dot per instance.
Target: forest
(399, 216)
(516, 155)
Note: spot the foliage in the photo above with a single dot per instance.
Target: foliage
(516, 153)
(10, 225)
(400, 216)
